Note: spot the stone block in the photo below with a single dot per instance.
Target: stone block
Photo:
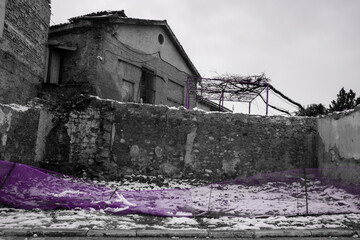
(111, 233)
(60, 232)
(332, 232)
(232, 234)
(17, 232)
(282, 233)
(172, 233)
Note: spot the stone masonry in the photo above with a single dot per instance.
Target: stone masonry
(107, 139)
(23, 49)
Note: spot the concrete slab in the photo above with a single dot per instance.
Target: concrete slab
(332, 232)
(232, 234)
(17, 232)
(111, 233)
(43, 232)
(282, 233)
(171, 233)
(59, 232)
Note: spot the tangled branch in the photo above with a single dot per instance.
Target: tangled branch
(229, 87)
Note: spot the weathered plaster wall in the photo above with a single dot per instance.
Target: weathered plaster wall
(106, 139)
(339, 150)
(2, 16)
(145, 39)
(23, 48)
(121, 63)
(18, 131)
(102, 60)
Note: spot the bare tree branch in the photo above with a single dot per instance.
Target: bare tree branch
(230, 87)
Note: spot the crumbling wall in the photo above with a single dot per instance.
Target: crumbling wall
(23, 47)
(106, 139)
(339, 146)
(159, 140)
(18, 132)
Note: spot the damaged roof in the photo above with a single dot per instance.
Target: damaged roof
(119, 17)
(101, 14)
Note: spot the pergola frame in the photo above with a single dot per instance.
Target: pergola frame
(228, 89)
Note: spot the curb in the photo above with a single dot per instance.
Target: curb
(180, 233)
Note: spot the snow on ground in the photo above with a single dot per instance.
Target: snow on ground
(221, 206)
(82, 219)
(275, 198)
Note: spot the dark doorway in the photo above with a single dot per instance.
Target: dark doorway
(147, 87)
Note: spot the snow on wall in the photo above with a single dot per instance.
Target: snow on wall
(106, 139)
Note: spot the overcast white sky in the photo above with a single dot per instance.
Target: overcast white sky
(309, 48)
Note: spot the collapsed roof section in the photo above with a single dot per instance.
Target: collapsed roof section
(101, 14)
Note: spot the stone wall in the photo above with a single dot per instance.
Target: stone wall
(23, 47)
(339, 146)
(18, 133)
(106, 139)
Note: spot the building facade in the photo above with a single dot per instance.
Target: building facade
(24, 27)
(126, 59)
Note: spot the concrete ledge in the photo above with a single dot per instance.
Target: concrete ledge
(171, 233)
(60, 232)
(16, 232)
(111, 233)
(332, 233)
(232, 234)
(282, 233)
(74, 233)
(43, 232)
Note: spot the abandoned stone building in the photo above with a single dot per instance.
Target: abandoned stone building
(105, 54)
(24, 26)
(121, 58)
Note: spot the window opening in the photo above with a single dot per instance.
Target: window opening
(128, 91)
(147, 87)
(55, 67)
(161, 38)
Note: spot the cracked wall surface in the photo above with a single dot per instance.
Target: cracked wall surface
(106, 139)
(339, 146)
(18, 131)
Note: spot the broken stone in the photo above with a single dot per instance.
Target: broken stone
(159, 152)
(134, 151)
(169, 169)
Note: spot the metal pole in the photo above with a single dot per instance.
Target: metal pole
(267, 99)
(222, 101)
(249, 107)
(187, 93)
(306, 193)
